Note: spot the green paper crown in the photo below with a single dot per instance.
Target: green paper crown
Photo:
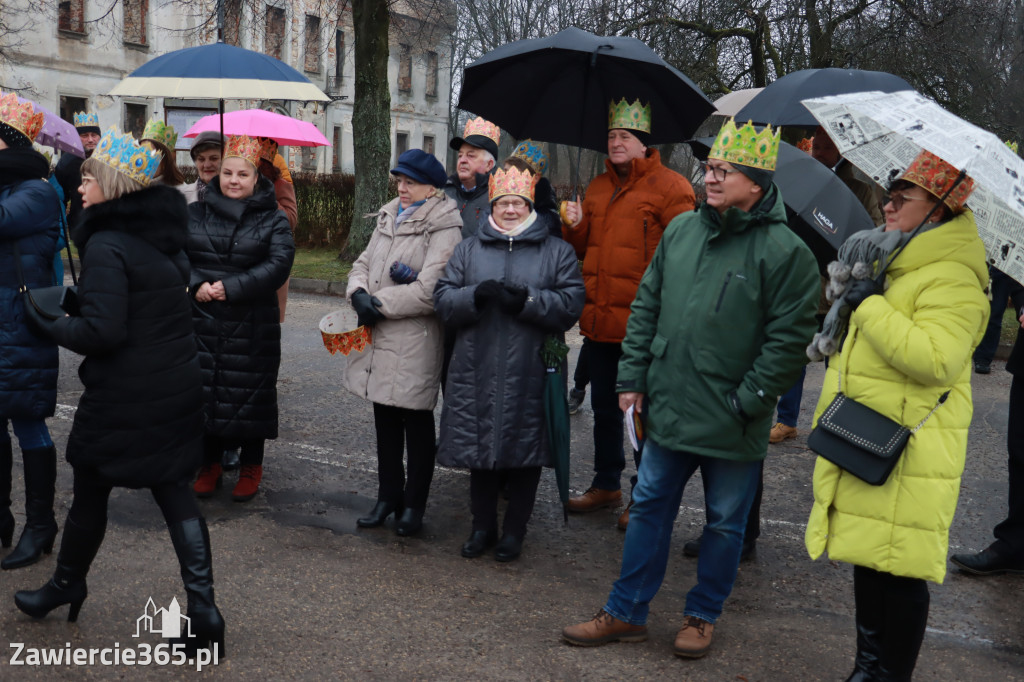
(633, 116)
(161, 132)
(1012, 145)
(746, 146)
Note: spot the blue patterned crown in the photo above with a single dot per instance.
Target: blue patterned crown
(125, 155)
(83, 119)
(533, 154)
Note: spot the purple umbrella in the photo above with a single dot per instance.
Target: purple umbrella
(57, 132)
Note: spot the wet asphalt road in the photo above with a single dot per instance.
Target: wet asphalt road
(308, 596)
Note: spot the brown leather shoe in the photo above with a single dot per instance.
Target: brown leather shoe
(694, 639)
(623, 523)
(781, 432)
(595, 499)
(603, 628)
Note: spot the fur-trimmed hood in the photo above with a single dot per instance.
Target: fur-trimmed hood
(157, 214)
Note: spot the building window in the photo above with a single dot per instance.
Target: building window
(69, 106)
(308, 158)
(339, 57)
(135, 116)
(312, 61)
(273, 37)
(134, 24)
(428, 144)
(233, 22)
(404, 68)
(71, 15)
(401, 144)
(337, 149)
(431, 74)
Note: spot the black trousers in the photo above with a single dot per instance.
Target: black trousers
(581, 377)
(250, 450)
(484, 488)
(893, 612)
(89, 506)
(1010, 533)
(398, 429)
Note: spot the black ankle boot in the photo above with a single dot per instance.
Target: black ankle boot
(508, 548)
(380, 512)
(410, 523)
(78, 548)
(191, 540)
(40, 526)
(479, 542)
(6, 517)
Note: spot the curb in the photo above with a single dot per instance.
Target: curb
(317, 286)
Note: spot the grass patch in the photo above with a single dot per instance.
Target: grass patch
(1010, 326)
(320, 264)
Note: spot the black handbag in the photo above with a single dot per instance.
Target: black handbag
(48, 303)
(861, 441)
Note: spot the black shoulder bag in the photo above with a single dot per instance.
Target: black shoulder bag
(48, 303)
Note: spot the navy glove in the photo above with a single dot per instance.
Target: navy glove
(402, 273)
(858, 290)
(487, 291)
(512, 299)
(366, 307)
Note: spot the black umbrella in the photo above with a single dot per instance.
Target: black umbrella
(557, 89)
(779, 103)
(820, 208)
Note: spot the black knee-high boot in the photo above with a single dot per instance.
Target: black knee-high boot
(869, 599)
(191, 541)
(40, 525)
(906, 618)
(6, 517)
(78, 548)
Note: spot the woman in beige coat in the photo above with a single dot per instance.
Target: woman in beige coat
(391, 288)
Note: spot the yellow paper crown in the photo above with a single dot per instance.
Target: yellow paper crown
(158, 131)
(512, 182)
(244, 147)
(126, 156)
(633, 116)
(746, 146)
(479, 126)
(20, 115)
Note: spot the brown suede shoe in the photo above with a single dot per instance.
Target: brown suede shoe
(595, 499)
(603, 628)
(623, 523)
(781, 432)
(694, 639)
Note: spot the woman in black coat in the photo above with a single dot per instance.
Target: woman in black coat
(241, 250)
(139, 420)
(29, 224)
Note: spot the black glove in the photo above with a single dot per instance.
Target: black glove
(512, 299)
(858, 290)
(366, 308)
(486, 292)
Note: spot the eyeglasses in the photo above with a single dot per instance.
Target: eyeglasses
(719, 173)
(517, 204)
(897, 200)
(87, 180)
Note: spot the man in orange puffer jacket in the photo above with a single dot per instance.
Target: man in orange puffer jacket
(615, 233)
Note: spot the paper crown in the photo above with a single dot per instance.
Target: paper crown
(161, 132)
(20, 115)
(479, 126)
(84, 119)
(1012, 145)
(746, 146)
(268, 148)
(335, 340)
(126, 156)
(532, 153)
(512, 182)
(243, 147)
(935, 176)
(633, 116)
(805, 144)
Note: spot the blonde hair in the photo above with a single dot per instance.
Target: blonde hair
(112, 183)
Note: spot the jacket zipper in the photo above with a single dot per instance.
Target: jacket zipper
(721, 296)
(499, 398)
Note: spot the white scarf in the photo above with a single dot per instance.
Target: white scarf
(518, 229)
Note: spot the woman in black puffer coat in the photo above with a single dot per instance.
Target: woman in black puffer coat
(139, 422)
(241, 250)
(29, 224)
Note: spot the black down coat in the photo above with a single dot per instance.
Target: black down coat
(246, 244)
(29, 217)
(139, 422)
(493, 414)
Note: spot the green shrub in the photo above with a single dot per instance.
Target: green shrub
(325, 209)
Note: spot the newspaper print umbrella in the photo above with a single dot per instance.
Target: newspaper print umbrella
(881, 133)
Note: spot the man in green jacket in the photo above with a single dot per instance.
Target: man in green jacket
(717, 331)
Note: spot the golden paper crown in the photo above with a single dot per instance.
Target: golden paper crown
(244, 147)
(747, 147)
(268, 148)
(633, 116)
(512, 182)
(533, 154)
(20, 115)
(126, 156)
(935, 176)
(161, 132)
(479, 126)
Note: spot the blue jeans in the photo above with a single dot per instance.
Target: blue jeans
(986, 349)
(789, 403)
(729, 489)
(32, 433)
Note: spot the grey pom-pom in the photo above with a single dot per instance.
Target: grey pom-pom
(813, 354)
(838, 271)
(827, 346)
(861, 271)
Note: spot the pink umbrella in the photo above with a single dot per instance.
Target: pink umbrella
(285, 130)
(56, 132)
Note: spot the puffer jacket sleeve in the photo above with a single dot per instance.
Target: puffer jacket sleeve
(453, 300)
(269, 275)
(557, 308)
(32, 208)
(359, 275)
(642, 325)
(933, 346)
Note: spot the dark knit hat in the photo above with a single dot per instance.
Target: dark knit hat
(421, 167)
(13, 137)
(761, 178)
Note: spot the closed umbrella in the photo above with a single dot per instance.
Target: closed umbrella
(556, 415)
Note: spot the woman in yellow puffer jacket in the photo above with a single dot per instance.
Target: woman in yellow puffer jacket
(905, 348)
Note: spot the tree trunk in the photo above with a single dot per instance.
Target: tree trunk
(371, 118)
